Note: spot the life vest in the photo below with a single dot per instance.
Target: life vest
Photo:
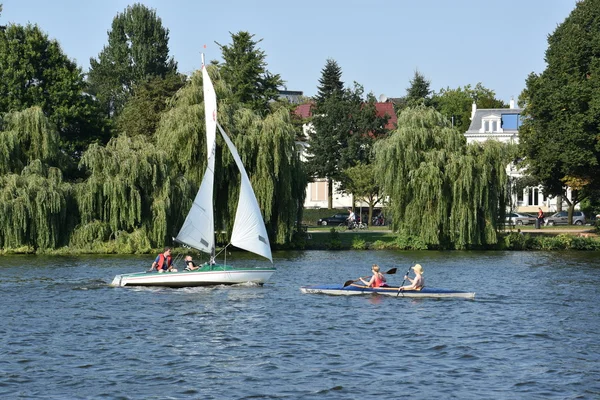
(378, 281)
(161, 262)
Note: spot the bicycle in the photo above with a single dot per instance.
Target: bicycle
(354, 225)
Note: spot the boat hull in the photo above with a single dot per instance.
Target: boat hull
(205, 276)
(354, 289)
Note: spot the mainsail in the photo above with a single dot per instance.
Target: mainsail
(249, 231)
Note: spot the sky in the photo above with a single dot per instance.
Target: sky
(377, 43)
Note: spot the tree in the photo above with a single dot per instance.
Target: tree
(444, 192)
(360, 181)
(137, 50)
(456, 104)
(35, 72)
(330, 81)
(33, 197)
(560, 135)
(245, 71)
(419, 90)
(344, 127)
(141, 114)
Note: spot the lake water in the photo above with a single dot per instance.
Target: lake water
(532, 331)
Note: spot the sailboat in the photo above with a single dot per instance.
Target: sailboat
(248, 233)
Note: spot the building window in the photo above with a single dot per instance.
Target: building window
(511, 121)
(520, 197)
(533, 196)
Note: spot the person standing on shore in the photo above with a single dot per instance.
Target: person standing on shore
(540, 218)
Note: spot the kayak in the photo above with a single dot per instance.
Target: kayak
(355, 289)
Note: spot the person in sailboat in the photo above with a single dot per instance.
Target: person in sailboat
(377, 280)
(163, 262)
(418, 282)
(189, 264)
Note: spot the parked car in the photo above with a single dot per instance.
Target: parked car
(514, 218)
(334, 219)
(562, 218)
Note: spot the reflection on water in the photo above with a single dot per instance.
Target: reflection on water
(531, 331)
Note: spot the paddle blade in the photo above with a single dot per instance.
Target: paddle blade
(348, 283)
(392, 271)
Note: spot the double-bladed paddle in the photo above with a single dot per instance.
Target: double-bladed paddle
(404, 280)
(389, 272)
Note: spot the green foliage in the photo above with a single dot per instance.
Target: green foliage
(26, 136)
(330, 81)
(419, 90)
(245, 71)
(35, 72)
(137, 50)
(456, 104)
(141, 114)
(334, 242)
(359, 243)
(361, 182)
(129, 186)
(560, 138)
(33, 208)
(345, 128)
(442, 191)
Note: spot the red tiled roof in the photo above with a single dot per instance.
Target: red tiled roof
(387, 108)
(305, 111)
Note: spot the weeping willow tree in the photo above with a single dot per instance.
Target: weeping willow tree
(33, 208)
(129, 188)
(266, 146)
(441, 190)
(33, 197)
(26, 136)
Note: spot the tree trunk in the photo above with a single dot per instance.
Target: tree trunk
(329, 193)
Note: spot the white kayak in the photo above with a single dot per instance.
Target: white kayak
(355, 289)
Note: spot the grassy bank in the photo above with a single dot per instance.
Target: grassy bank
(375, 238)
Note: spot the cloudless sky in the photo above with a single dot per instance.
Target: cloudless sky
(377, 43)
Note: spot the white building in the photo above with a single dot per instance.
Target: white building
(503, 124)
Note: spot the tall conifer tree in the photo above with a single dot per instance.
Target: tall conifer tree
(138, 49)
(330, 81)
(245, 71)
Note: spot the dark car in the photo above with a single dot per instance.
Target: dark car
(334, 219)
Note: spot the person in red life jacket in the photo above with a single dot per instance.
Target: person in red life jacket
(377, 280)
(163, 262)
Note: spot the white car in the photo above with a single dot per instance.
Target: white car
(514, 218)
(562, 218)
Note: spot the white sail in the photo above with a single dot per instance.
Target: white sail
(210, 112)
(249, 231)
(198, 229)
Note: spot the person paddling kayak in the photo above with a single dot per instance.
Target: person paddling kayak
(418, 282)
(377, 280)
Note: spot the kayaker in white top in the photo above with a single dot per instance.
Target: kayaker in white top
(418, 282)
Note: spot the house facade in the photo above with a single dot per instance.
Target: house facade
(503, 124)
